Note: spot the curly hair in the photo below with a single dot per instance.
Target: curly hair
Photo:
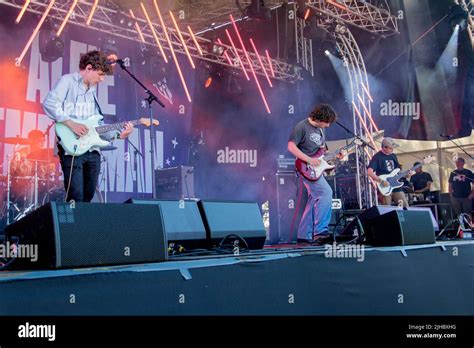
(323, 113)
(98, 60)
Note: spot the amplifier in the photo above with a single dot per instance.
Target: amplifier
(174, 182)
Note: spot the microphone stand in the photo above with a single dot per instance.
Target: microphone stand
(450, 138)
(151, 98)
(355, 135)
(48, 161)
(135, 165)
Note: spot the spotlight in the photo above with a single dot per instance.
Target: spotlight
(327, 53)
(341, 29)
(50, 46)
(212, 74)
(217, 49)
(213, 47)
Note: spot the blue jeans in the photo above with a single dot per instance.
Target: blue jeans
(317, 213)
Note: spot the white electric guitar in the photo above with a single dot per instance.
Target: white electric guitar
(395, 175)
(76, 146)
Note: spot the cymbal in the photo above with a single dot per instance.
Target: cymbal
(42, 155)
(108, 148)
(15, 141)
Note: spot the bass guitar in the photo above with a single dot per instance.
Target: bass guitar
(395, 175)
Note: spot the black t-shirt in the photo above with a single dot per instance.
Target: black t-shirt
(308, 139)
(461, 180)
(384, 164)
(420, 180)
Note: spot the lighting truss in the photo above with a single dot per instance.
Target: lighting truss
(359, 13)
(102, 22)
(468, 5)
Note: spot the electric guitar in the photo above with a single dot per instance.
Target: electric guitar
(313, 173)
(395, 175)
(75, 146)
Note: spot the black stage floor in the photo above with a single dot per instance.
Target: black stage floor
(436, 279)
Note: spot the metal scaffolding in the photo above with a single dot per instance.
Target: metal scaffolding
(359, 13)
(103, 21)
(304, 46)
(469, 7)
(361, 110)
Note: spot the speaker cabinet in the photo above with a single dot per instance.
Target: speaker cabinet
(174, 182)
(222, 219)
(401, 227)
(182, 221)
(364, 217)
(288, 187)
(90, 234)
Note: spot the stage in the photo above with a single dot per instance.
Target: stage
(421, 280)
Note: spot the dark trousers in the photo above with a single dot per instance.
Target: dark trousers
(461, 205)
(84, 175)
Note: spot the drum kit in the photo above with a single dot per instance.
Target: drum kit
(32, 179)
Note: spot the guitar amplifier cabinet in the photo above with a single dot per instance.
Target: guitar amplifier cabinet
(287, 200)
(174, 182)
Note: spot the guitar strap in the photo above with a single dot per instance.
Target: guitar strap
(98, 106)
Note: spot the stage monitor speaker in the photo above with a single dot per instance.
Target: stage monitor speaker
(401, 227)
(182, 221)
(364, 217)
(223, 219)
(368, 215)
(89, 234)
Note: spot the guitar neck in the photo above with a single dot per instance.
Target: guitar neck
(404, 173)
(332, 155)
(114, 126)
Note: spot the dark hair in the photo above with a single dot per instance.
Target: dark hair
(460, 159)
(416, 163)
(98, 60)
(323, 113)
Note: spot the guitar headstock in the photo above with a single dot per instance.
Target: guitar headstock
(146, 122)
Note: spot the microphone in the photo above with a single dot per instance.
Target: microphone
(443, 135)
(122, 62)
(114, 61)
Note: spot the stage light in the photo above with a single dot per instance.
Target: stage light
(208, 82)
(327, 53)
(51, 46)
(341, 29)
(212, 74)
(91, 14)
(217, 49)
